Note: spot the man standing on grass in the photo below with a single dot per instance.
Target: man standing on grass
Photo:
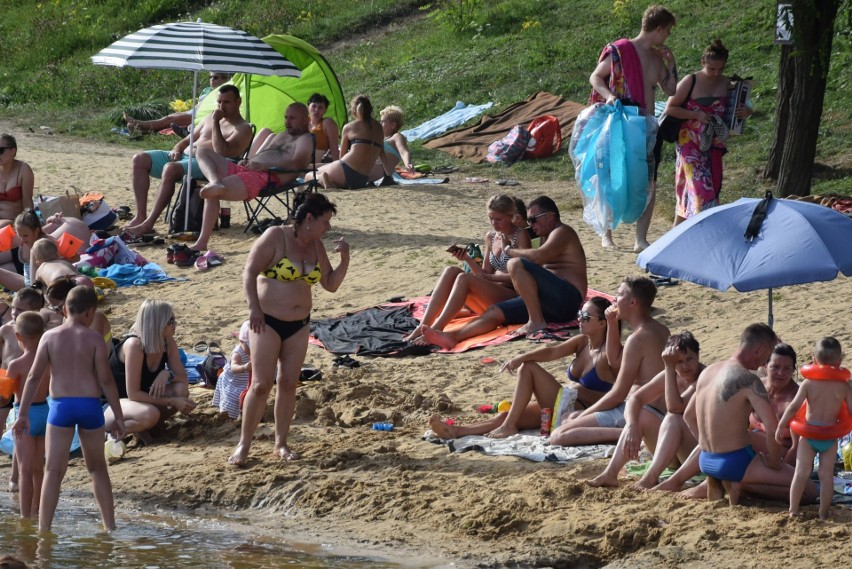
(629, 71)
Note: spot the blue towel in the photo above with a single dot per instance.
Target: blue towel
(129, 275)
(459, 114)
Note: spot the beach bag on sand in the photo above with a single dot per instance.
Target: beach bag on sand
(98, 215)
(67, 205)
(545, 137)
(176, 217)
(211, 368)
(510, 148)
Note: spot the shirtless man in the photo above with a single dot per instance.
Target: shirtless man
(290, 150)
(550, 281)
(725, 396)
(224, 131)
(657, 68)
(641, 361)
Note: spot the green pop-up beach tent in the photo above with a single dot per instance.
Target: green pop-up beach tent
(267, 97)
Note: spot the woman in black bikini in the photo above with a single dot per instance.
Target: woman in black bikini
(282, 266)
(149, 392)
(361, 143)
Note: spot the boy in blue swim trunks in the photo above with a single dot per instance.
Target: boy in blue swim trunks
(76, 357)
(825, 399)
(29, 447)
(725, 395)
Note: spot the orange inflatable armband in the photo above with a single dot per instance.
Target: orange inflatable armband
(68, 245)
(7, 385)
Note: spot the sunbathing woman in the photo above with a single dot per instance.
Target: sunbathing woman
(16, 181)
(324, 128)
(282, 267)
(486, 284)
(396, 145)
(361, 143)
(590, 375)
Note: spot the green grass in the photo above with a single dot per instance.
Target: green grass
(399, 52)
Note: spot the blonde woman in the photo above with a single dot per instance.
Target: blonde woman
(149, 391)
(486, 284)
(396, 145)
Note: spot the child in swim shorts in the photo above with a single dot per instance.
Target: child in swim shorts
(825, 399)
(75, 357)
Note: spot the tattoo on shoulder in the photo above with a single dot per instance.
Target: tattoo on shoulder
(742, 380)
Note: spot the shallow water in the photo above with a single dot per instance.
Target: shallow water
(162, 540)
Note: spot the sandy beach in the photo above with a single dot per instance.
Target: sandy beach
(391, 491)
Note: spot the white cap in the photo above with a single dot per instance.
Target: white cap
(244, 332)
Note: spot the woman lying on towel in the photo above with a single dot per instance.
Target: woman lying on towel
(486, 284)
(590, 375)
(361, 143)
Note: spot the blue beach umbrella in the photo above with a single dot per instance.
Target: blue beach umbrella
(755, 244)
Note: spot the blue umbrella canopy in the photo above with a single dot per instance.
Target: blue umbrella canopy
(755, 244)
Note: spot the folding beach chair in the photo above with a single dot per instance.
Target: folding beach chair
(283, 194)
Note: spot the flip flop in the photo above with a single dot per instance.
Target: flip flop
(200, 347)
(214, 348)
(542, 336)
(346, 361)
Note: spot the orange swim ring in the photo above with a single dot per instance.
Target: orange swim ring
(799, 424)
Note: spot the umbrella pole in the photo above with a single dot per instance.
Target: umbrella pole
(248, 97)
(771, 318)
(188, 184)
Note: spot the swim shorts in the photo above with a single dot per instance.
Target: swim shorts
(728, 466)
(159, 159)
(84, 412)
(559, 300)
(37, 417)
(612, 418)
(820, 445)
(253, 180)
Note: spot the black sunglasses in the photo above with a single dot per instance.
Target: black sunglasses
(5, 148)
(585, 316)
(534, 218)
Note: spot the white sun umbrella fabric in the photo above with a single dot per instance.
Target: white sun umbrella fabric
(196, 46)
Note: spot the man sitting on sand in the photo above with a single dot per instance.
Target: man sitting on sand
(550, 281)
(725, 396)
(641, 360)
(224, 132)
(290, 150)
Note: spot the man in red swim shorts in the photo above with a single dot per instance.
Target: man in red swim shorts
(288, 150)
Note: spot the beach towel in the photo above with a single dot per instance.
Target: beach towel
(130, 275)
(523, 445)
(402, 181)
(379, 330)
(471, 143)
(625, 79)
(459, 114)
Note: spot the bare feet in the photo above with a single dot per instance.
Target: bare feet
(137, 229)
(606, 240)
(640, 245)
(643, 484)
(240, 456)
(13, 487)
(696, 492)
(529, 328)
(668, 485)
(285, 453)
(414, 335)
(441, 429)
(131, 122)
(502, 432)
(441, 339)
(603, 480)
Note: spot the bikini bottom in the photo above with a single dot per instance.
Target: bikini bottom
(285, 328)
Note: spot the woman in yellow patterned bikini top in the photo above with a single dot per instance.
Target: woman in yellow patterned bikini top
(279, 313)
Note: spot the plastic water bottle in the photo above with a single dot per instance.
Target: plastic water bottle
(114, 450)
(382, 426)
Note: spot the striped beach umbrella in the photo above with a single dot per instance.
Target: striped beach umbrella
(196, 46)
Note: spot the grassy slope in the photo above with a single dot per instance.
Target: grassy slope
(393, 50)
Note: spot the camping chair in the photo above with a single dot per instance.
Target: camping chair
(283, 194)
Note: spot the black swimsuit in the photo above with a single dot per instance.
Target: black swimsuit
(285, 328)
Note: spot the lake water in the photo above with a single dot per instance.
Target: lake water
(163, 540)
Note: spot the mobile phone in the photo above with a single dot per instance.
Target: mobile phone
(454, 248)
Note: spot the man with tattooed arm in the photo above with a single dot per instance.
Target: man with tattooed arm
(726, 394)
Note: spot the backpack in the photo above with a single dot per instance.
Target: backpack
(176, 216)
(510, 148)
(546, 137)
(211, 368)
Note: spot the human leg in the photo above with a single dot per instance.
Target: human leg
(804, 466)
(440, 295)
(446, 431)
(597, 428)
(171, 174)
(57, 443)
(648, 427)
(291, 357)
(138, 417)
(92, 443)
(526, 286)
(142, 164)
(265, 347)
(644, 221)
(482, 293)
(774, 484)
(489, 321)
(674, 436)
(532, 380)
(25, 453)
(232, 188)
(826, 480)
(460, 296)
(11, 280)
(214, 166)
(682, 475)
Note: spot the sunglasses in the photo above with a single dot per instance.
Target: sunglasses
(533, 218)
(171, 321)
(585, 316)
(5, 148)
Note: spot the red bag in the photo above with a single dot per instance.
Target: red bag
(547, 135)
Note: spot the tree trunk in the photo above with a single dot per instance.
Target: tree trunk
(813, 28)
(782, 112)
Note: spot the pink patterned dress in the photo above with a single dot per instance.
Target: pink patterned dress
(698, 175)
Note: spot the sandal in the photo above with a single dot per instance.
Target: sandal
(200, 347)
(214, 348)
(185, 257)
(542, 336)
(346, 361)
